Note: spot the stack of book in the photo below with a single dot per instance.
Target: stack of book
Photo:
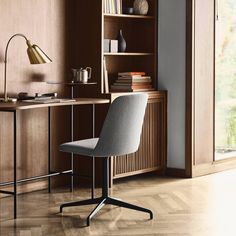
(113, 6)
(132, 82)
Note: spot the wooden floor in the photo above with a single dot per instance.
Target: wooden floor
(204, 206)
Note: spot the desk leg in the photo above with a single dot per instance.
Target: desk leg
(72, 155)
(49, 149)
(15, 165)
(93, 158)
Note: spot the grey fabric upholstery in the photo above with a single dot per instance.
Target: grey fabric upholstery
(83, 147)
(121, 130)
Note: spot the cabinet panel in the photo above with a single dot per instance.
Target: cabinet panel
(151, 155)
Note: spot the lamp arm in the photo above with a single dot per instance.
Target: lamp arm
(5, 62)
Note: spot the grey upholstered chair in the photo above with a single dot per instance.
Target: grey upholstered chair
(120, 135)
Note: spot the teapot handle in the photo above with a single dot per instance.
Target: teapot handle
(89, 69)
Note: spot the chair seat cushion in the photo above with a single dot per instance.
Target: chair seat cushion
(82, 147)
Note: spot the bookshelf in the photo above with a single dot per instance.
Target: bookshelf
(140, 33)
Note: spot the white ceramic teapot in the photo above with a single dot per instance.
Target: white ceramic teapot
(83, 75)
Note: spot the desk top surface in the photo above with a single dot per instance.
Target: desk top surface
(19, 105)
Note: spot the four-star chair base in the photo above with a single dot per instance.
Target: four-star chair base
(105, 199)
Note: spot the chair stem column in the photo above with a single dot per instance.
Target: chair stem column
(105, 171)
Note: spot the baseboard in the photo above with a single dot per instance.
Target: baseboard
(176, 172)
(211, 168)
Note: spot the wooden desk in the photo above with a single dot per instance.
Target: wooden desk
(27, 105)
(15, 108)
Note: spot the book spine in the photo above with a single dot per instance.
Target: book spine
(134, 77)
(109, 6)
(132, 83)
(118, 6)
(131, 73)
(131, 86)
(111, 1)
(105, 73)
(104, 6)
(114, 6)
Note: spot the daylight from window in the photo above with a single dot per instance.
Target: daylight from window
(225, 79)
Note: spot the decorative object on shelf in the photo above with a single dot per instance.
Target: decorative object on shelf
(121, 42)
(114, 46)
(106, 45)
(110, 45)
(36, 56)
(140, 7)
(128, 10)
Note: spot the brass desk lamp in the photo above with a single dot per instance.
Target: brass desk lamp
(36, 56)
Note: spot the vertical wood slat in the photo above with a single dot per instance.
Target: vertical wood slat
(151, 155)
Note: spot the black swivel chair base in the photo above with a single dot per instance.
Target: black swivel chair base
(105, 199)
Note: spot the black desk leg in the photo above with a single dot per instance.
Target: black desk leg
(93, 158)
(72, 155)
(15, 166)
(49, 149)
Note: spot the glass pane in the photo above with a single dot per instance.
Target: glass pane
(225, 80)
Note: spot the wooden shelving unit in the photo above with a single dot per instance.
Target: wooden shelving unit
(140, 33)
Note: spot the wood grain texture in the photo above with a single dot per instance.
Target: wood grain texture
(151, 155)
(46, 24)
(201, 206)
(20, 105)
(141, 36)
(56, 26)
(87, 42)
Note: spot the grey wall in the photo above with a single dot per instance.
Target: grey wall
(171, 74)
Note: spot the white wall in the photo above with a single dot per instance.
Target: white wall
(171, 74)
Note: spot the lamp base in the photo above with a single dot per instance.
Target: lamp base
(8, 100)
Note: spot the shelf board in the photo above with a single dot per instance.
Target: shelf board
(128, 16)
(127, 54)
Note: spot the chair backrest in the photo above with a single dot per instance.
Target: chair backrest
(122, 127)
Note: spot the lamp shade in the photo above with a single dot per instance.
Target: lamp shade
(36, 54)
